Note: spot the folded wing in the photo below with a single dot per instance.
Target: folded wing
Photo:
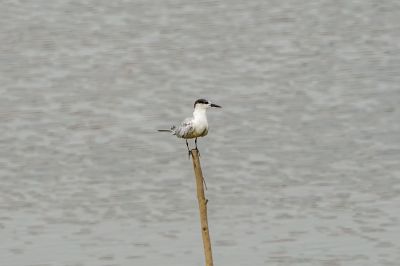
(185, 130)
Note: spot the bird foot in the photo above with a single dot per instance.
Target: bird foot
(189, 154)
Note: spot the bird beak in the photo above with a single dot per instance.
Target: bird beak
(215, 105)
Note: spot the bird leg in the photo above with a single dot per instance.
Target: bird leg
(189, 151)
(195, 141)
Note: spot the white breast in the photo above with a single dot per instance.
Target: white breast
(200, 127)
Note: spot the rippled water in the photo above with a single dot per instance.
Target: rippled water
(302, 163)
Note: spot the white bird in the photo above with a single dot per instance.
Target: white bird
(193, 127)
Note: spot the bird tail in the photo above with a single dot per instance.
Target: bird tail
(167, 130)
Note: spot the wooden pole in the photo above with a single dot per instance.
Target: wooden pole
(202, 207)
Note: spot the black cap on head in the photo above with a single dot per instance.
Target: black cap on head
(203, 101)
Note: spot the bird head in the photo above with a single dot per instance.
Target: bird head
(204, 104)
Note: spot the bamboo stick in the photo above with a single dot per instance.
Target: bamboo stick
(202, 207)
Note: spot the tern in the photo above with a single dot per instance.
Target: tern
(193, 127)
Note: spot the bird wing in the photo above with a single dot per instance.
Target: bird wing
(185, 129)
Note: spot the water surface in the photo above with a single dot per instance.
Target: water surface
(302, 162)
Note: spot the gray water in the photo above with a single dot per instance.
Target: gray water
(302, 162)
